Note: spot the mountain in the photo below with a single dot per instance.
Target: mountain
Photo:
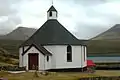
(111, 34)
(103, 47)
(107, 43)
(21, 33)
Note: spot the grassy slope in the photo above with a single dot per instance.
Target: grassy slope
(10, 45)
(104, 47)
(7, 59)
(9, 52)
(57, 76)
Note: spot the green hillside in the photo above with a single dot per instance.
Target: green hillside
(106, 43)
(7, 59)
(10, 45)
(9, 52)
(111, 34)
(20, 33)
(103, 47)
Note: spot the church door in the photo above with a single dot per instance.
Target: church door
(33, 61)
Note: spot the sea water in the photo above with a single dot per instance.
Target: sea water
(105, 59)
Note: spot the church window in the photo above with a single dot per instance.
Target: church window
(56, 14)
(47, 58)
(69, 53)
(50, 14)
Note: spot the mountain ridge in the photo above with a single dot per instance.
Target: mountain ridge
(111, 34)
(20, 33)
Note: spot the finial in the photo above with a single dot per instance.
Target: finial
(52, 2)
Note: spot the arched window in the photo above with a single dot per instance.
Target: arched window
(69, 53)
(47, 58)
(56, 14)
(50, 14)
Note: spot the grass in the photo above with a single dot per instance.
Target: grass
(9, 52)
(12, 46)
(7, 58)
(5, 64)
(103, 48)
(58, 76)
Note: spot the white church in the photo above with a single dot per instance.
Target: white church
(53, 47)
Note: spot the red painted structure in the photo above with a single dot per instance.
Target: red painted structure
(90, 63)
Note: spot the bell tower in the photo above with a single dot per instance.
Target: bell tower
(52, 13)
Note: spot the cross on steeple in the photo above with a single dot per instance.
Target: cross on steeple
(52, 2)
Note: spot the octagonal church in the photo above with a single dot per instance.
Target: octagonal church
(52, 47)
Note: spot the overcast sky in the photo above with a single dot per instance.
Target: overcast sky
(84, 18)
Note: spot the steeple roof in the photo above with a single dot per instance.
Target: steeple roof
(52, 9)
(52, 33)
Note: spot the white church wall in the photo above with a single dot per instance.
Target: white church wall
(47, 63)
(25, 61)
(59, 58)
(20, 57)
(53, 15)
(85, 64)
(52, 49)
(77, 56)
(83, 56)
(41, 58)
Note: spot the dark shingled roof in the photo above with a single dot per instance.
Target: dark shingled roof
(52, 9)
(53, 33)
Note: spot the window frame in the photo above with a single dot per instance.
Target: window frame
(50, 13)
(69, 53)
(47, 58)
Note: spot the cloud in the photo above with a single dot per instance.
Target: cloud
(92, 17)
(84, 18)
(9, 24)
(8, 15)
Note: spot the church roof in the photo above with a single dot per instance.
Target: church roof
(52, 33)
(52, 9)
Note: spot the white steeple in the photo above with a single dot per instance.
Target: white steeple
(52, 13)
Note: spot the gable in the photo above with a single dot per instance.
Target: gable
(35, 48)
(52, 9)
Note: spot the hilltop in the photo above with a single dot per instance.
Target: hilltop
(20, 33)
(106, 43)
(111, 34)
